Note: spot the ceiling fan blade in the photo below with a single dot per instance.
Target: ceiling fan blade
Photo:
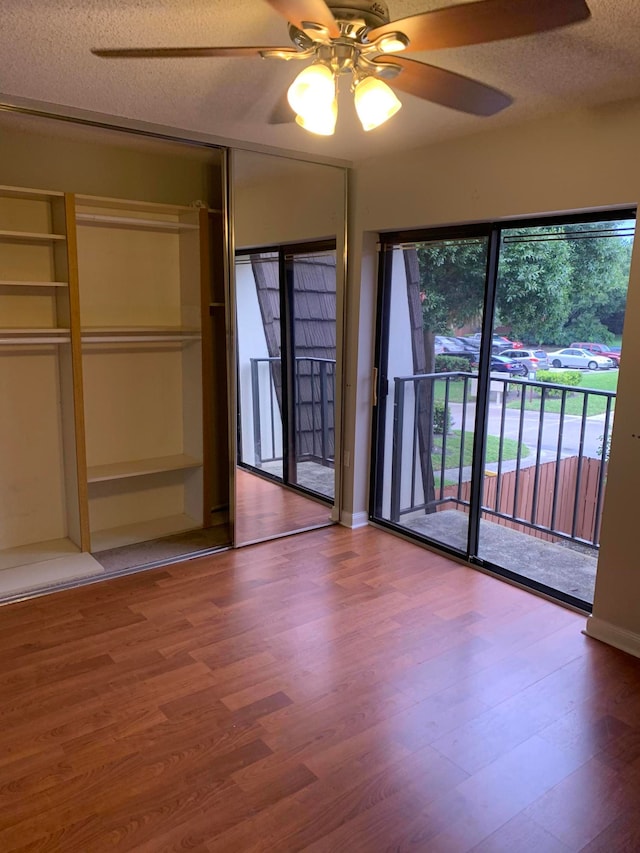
(445, 87)
(298, 11)
(484, 21)
(183, 52)
(282, 112)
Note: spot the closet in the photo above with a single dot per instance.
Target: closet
(113, 372)
(140, 274)
(40, 503)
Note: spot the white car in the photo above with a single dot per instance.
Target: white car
(582, 358)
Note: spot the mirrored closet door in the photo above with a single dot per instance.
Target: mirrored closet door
(288, 271)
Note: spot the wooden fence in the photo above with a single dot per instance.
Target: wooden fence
(521, 505)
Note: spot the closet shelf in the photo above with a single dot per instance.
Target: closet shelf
(30, 237)
(33, 283)
(144, 531)
(140, 468)
(105, 221)
(32, 194)
(86, 203)
(34, 336)
(138, 334)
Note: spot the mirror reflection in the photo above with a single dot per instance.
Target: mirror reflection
(288, 219)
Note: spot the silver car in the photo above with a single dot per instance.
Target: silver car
(534, 359)
(573, 357)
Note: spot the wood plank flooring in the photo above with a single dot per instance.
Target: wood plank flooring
(265, 509)
(334, 691)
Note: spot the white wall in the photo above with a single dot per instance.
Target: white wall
(400, 363)
(580, 161)
(252, 343)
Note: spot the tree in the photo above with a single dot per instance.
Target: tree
(445, 289)
(560, 283)
(532, 295)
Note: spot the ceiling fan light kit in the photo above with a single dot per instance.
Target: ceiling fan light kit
(375, 102)
(357, 37)
(312, 96)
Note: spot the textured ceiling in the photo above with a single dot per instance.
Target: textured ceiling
(45, 56)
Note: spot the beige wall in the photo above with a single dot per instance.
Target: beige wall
(50, 155)
(277, 200)
(581, 161)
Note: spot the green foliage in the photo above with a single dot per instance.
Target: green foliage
(556, 284)
(560, 377)
(588, 328)
(533, 284)
(442, 419)
(451, 364)
(604, 447)
(452, 274)
(494, 449)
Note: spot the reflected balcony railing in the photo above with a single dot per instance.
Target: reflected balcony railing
(545, 474)
(314, 409)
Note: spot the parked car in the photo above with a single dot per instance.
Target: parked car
(467, 344)
(446, 343)
(498, 342)
(535, 359)
(500, 364)
(601, 349)
(581, 358)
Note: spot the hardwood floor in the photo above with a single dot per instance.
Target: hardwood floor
(265, 509)
(334, 691)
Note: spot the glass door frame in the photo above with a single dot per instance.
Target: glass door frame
(492, 231)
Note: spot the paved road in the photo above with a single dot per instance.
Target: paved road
(571, 432)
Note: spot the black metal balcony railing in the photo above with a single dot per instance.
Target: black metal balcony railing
(558, 489)
(314, 409)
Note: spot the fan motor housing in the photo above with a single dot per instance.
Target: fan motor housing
(373, 14)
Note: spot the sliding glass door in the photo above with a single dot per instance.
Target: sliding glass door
(428, 391)
(498, 356)
(561, 289)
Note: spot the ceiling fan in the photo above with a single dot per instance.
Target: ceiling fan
(357, 37)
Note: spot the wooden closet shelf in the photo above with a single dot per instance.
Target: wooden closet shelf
(33, 283)
(34, 336)
(140, 468)
(144, 531)
(138, 334)
(30, 237)
(104, 221)
(85, 203)
(33, 195)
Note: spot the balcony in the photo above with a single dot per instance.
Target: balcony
(543, 480)
(314, 415)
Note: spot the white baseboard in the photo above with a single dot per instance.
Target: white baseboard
(620, 638)
(354, 519)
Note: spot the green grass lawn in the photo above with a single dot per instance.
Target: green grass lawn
(452, 460)
(456, 391)
(606, 380)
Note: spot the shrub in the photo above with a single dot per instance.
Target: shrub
(559, 377)
(604, 447)
(451, 364)
(442, 419)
